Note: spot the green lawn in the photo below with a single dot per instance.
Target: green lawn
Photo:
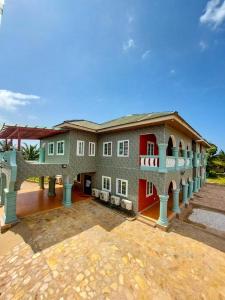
(219, 180)
(36, 179)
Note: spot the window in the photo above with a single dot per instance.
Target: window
(150, 148)
(80, 148)
(60, 148)
(123, 148)
(51, 148)
(122, 187)
(107, 149)
(91, 150)
(149, 188)
(106, 183)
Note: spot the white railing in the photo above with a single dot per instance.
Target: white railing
(181, 162)
(149, 161)
(170, 162)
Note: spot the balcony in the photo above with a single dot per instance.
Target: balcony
(172, 163)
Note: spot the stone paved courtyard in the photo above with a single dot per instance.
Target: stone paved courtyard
(89, 252)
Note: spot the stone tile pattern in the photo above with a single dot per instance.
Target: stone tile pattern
(89, 252)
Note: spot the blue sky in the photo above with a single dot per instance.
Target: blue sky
(102, 59)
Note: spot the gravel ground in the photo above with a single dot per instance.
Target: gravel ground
(208, 218)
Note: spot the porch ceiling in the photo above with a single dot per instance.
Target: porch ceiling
(27, 133)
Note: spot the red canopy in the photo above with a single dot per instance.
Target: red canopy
(27, 133)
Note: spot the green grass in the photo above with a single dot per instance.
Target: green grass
(219, 180)
(36, 179)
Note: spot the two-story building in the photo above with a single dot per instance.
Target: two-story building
(154, 161)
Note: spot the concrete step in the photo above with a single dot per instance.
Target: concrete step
(146, 220)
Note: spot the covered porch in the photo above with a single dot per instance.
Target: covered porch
(31, 199)
(161, 209)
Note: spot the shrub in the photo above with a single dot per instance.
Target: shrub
(212, 174)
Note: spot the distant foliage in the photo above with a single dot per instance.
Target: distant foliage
(30, 152)
(5, 146)
(216, 161)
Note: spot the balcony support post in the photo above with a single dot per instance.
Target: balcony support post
(67, 194)
(42, 182)
(176, 207)
(162, 158)
(184, 154)
(195, 160)
(185, 194)
(163, 220)
(191, 158)
(190, 189)
(175, 154)
(195, 189)
(51, 188)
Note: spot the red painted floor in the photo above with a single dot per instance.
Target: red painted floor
(30, 199)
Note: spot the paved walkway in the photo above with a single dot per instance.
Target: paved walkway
(89, 252)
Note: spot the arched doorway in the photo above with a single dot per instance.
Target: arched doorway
(171, 145)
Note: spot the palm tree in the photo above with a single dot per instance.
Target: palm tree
(5, 146)
(30, 152)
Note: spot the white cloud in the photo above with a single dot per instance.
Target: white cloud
(214, 13)
(11, 101)
(128, 45)
(145, 54)
(203, 45)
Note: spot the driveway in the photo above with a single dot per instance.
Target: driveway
(90, 252)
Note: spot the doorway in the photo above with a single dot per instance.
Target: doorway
(87, 184)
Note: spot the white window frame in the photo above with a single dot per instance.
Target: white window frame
(149, 188)
(110, 183)
(57, 153)
(78, 148)
(90, 153)
(118, 148)
(107, 155)
(149, 144)
(49, 144)
(117, 187)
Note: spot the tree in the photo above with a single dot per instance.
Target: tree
(211, 152)
(5, 147)
(30, 152)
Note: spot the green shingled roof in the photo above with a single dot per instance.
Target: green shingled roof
(119, 121)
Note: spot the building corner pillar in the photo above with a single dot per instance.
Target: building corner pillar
(10, 207)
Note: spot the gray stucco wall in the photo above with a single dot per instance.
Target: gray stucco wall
(61, 159)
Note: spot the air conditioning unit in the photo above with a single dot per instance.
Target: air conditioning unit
(104, 196)
(95, 193)
(127, 204)
(115, 200)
